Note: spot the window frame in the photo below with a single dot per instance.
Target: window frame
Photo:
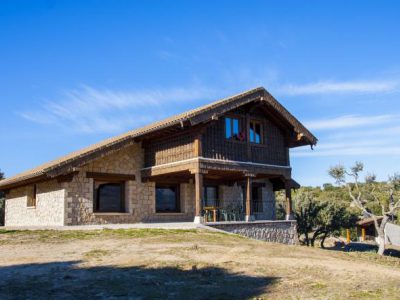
(205, 187)
(255, 123)
(257, 190)
(232, 137)
(31, 200)
(96, 191)
(176, 187)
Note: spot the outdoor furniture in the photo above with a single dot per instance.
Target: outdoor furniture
(210, 213)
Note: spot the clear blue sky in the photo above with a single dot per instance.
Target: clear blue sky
(75, 72)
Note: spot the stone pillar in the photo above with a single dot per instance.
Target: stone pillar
(249, 182)
(198, 178)
(289, 204)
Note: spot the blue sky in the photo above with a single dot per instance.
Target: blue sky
(76, 72)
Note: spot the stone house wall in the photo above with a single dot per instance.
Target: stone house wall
(49, 209)
(140, 196)
(268, 202)
(231, 197)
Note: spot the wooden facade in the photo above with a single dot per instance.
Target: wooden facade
(273, 149)
(205, 154)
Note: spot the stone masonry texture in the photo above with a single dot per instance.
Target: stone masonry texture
(284, 232)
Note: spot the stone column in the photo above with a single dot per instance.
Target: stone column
(288, 196)
(198, 178)
(249, 182)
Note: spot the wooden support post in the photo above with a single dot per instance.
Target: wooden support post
(248, 198)
(288, 196)
(363, 234)
(215, 215)
(198, 151)
(198, 178)
(348, 236)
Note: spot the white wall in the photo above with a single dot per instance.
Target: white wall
(49, 210)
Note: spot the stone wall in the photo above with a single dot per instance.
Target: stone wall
(140, 196)
(284, 232)
(231, 196)
(49, 209)
(268, 202)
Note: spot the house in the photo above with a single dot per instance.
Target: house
(219, 162)
(366, 229)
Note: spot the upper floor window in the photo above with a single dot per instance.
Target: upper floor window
(232, 128)
(255, 132)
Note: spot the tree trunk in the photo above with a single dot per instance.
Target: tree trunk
(381, 249)
(323, 240)
(306, 239)
(381, 235)
(315, 236)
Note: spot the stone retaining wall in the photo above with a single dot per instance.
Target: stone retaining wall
(284, 232)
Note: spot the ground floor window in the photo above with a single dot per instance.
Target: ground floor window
(256, 194)
(210, 196)
(167, 199)
(109, 197)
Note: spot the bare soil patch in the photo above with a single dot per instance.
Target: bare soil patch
(184, 264)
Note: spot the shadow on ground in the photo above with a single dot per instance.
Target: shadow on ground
(364, 247)
(69, 280)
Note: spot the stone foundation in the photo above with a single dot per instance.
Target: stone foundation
(283, 232)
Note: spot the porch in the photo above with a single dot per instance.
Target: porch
(219, 190)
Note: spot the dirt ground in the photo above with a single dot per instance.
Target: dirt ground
(184, 264)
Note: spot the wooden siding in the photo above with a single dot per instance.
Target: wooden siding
(272, 151)
(167, 150)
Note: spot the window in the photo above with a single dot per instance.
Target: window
(31, 197)
(210, 196)
(232, 128)
(256, 194)
(255, 132)
(167, 199)
(110, 197)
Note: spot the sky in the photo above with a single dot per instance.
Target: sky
(75, 72)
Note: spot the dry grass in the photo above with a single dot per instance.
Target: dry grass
(174, 264)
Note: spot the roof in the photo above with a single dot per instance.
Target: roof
(368, 221)
(196, 116)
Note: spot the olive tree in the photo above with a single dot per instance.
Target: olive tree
(362, 198)
(320, 218)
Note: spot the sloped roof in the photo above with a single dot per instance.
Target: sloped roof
(195, 116)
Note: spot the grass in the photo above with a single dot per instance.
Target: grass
(181, 264)
(96, 253)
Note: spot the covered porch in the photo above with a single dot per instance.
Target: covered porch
(220, 190)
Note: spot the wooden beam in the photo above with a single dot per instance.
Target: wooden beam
(288, 196)
(67, 177)
(110, 176)
(248, 197)
(198, 149)
(198, 178)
